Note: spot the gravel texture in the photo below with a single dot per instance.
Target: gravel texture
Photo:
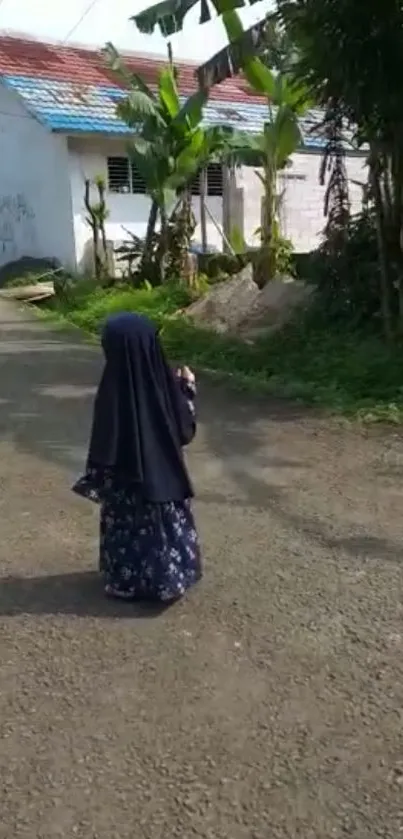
(268, 705)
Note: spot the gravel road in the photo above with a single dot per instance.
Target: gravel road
(268, 705)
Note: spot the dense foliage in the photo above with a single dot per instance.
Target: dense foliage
(347, 58)
(351, 54)
(334, 367)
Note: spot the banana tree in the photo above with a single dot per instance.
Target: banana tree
(280, 138)
(168, 145)
(285, 101)
(270, 151)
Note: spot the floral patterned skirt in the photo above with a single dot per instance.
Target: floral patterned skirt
(148, 550)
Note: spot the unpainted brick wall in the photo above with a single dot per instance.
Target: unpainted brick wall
(301, 217)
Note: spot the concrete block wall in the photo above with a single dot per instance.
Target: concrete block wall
(301, 217)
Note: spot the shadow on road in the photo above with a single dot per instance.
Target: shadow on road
(48, 381)
(79, 594)
(359, 546)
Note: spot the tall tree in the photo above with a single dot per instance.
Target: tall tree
(353, 54)
(333, 175)
(285, 101)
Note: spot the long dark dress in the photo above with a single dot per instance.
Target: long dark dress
(148, 549)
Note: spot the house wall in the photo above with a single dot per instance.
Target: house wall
(301, 215)
(302, 218)
(35, 199)
(88, 158)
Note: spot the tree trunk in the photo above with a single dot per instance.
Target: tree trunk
(229, 188)
(152, 220)
(93, 222)
(203, 216)
(267, 258)
(385, 285)
(397, 184)
(163, 250)
(145, 268)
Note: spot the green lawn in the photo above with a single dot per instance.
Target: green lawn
(339, 370)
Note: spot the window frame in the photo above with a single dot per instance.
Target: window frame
(136, 184)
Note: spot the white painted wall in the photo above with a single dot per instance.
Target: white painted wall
(302, 219)
(88, 158)
(35, 199)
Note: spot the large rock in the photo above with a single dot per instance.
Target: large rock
(239, 307)
(275, 305)
(224, 307)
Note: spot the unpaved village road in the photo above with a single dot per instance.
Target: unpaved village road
(269, 704)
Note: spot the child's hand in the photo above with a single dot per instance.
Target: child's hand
(186, 374)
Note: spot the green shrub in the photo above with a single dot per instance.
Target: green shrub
(217, 266)
(347, 278)
(314, 359)
(88, 307)
(284, 252)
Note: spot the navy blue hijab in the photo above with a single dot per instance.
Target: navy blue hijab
(141, 417)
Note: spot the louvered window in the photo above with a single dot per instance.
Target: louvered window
(123, 177)
(214, 181)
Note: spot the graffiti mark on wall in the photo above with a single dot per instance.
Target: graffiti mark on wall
(17, 227)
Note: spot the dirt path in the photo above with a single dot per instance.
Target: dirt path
(269, 704)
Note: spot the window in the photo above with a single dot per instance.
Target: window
(123, 177)
(195, 185)
(138, 183)
(119, 174)
(214, 181)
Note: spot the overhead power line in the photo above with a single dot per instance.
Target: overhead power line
(86, 12)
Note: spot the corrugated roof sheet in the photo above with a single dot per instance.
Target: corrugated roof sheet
(83, 66)
(71, 90)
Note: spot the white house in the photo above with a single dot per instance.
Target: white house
(58, 127)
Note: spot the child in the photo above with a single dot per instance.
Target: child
(143, 416)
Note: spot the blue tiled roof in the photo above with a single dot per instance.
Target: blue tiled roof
(72, 108)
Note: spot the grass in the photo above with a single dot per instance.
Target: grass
(88, 307)
(340, 370)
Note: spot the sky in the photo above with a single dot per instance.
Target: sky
(108, 20)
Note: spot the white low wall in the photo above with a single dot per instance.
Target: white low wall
(35, 200)
(302, 212)
(302, 216)
(88, 158)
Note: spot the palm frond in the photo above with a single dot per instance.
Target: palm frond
(169, 15)
(231, 59)
(136, 107)
(130, 79)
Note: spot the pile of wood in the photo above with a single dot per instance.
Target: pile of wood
(35, 293)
